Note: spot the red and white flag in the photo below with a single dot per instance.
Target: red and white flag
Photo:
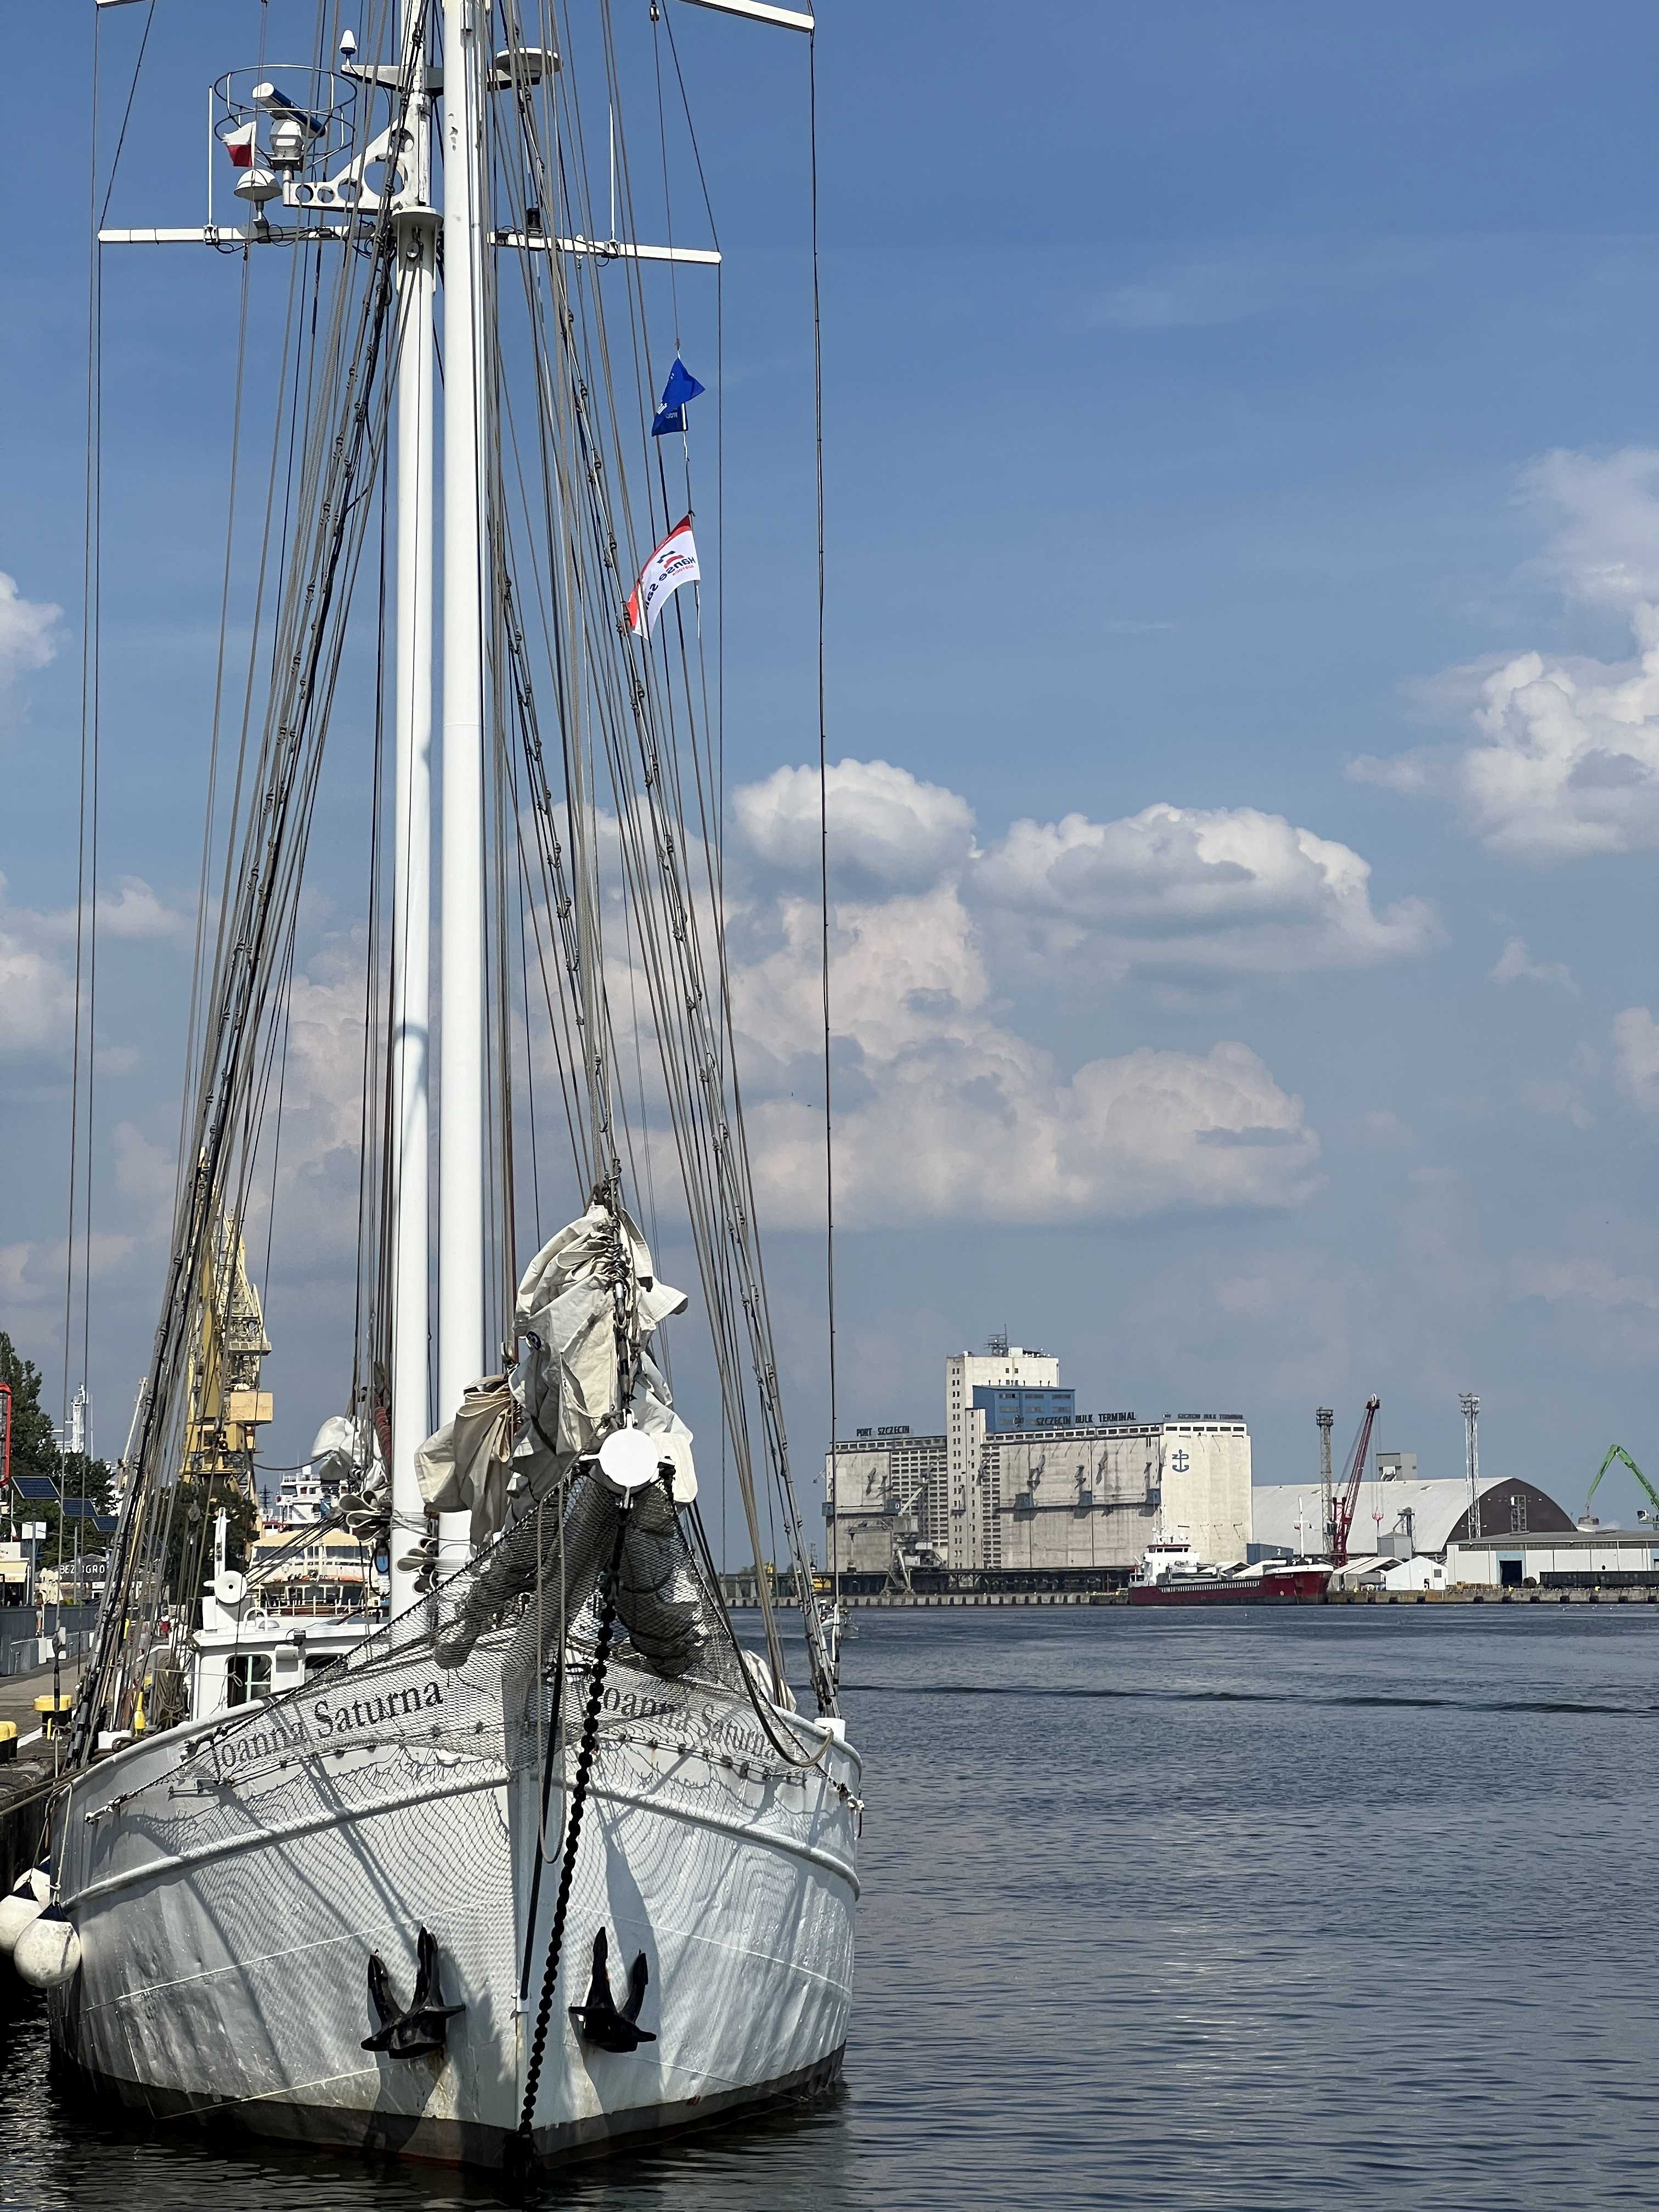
(673, 563)
(239, 144)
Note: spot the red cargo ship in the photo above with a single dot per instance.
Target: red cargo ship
(1169, 1575)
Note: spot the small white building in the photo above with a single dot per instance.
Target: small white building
(1383, 1572)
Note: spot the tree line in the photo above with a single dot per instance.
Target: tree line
(34, 1452)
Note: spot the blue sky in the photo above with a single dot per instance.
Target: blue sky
(1193, 375)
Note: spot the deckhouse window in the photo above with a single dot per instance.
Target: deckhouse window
(249, 1676)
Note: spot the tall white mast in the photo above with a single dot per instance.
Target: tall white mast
(461, 1154)
(411, 905)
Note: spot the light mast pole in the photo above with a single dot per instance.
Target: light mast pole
(461, 1157)
(417, 229)
(1471, 1405)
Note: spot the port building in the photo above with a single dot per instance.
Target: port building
(1020, 1479)
(1578, 1559)
(1398, 1516)
(975, 1383)
(883, 1495)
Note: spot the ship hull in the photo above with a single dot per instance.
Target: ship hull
(225, 1927)
(1295, 1586)
(435, 2141)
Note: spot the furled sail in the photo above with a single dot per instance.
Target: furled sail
(589, 1292)
(585, 1303)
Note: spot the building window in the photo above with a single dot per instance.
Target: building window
(249, 1677)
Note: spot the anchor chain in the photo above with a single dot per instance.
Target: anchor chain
(525, 2139)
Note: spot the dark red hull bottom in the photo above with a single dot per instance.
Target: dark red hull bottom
(1295, 1586)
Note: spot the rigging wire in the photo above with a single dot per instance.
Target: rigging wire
(343, 438)
(367, 1327)
(621, 714)
(714, 729)
(85, 894)
(706, 1096)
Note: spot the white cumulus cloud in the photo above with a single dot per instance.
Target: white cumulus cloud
(136, 912)
(945, 1108)
(37, 980)
(28, 630)
(37, 998)
(1604, 547)
(1514, 964)
(944, 1111)
(1636, 1057)
(886, 828)
(1592, 1285)
(1229, 888)
(1563, 756)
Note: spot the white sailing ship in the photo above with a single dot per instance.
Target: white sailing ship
(540, 1859)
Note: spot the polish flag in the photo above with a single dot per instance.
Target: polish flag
(673, 563)
(239, 144)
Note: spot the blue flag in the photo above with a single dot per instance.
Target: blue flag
(681, 386)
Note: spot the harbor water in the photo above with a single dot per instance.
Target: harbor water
(1309, 1909)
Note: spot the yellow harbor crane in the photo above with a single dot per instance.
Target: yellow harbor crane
(225, 1410)
(228, 1409)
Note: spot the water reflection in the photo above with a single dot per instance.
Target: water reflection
(1275, 1913)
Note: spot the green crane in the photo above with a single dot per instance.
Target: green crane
(1617, 1451)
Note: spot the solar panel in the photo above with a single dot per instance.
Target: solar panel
(105, 1523)
(80, 1509)
(35, 1485)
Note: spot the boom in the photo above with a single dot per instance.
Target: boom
(1617, 1451)
(1347, 1497)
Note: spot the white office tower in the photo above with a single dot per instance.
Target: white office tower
(1011, 1366)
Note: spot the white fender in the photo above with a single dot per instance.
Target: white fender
(22, 1905)
(48, 1952)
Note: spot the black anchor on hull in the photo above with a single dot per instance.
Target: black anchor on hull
(598, 2021)
(424, 2028)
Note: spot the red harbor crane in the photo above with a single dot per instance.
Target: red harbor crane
(1344, 1501)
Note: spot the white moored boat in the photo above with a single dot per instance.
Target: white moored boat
(229, 1887)
(501, 1848)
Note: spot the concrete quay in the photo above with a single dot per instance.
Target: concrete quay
(1643, 1594)
(915, 1600)
(26, 1781)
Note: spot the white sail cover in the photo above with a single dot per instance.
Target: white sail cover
(345, 1449)
(566, 1392)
